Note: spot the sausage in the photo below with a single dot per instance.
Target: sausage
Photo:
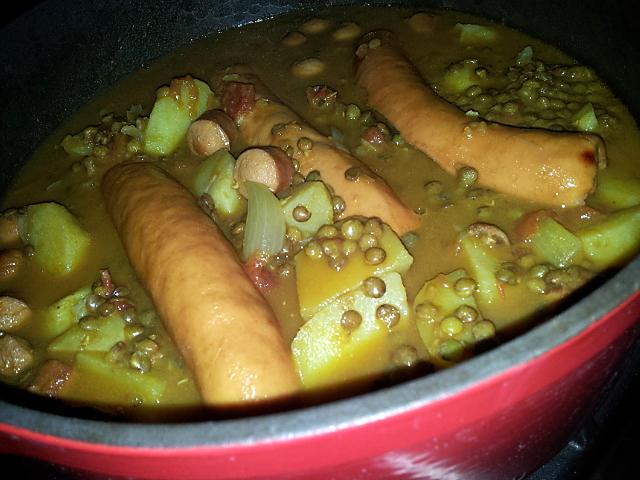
(267, 165)
(52, 379)
(212, 131)
(223, 327)
(270, 122)
(555, 168)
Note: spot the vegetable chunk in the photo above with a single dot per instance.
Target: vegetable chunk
(65, 312)
(331, 348)
(175, 108)
(59, 242)
(319, 285)
(613, 240)
(316, 200)
(126, 384)
(448, 318)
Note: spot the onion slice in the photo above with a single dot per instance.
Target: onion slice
(264, 229)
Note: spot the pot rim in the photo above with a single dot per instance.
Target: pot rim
(344, 413)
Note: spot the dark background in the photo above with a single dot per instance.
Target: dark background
(605, 449)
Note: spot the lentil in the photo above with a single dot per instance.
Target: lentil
(374, 287)
(374, 255)
(388, 315)
(350, 320)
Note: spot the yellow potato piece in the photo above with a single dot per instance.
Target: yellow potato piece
(326, 353)
(319, 285)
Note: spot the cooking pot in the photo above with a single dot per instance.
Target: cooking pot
(499, 415)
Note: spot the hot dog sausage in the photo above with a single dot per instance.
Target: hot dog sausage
(549, 167)
(223, 327)
(366, 194)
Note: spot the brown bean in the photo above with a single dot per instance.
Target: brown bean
(13, 313)
(9, 233)
(11, 262)
(267, 165)
(211, 132)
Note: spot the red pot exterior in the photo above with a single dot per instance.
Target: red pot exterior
(502, 427)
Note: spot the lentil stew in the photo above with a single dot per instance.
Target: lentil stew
(359, 303)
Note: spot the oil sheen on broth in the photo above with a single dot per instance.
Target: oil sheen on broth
(485, 266)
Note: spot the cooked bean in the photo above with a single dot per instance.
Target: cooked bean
(346, 32)
(293, 39)
(388, 314)
(352, 229)
(315, 25)
(374, 255)
(14, 313)
(300, 213)
(374, 287)
(11, 262)
(350, 320)
(422, 22)
(404, 356)
(307, 68)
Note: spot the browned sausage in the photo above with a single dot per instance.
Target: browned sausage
(222, 325)
(367, 194)
(534, 164)
(212, 131)
(267, 165)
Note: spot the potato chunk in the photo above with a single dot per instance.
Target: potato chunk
(60, 243)
(319, 284)
(349, 339)
(175, 108)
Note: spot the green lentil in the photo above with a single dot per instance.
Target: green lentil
(339, 205)
(537, 285)
(337, 263)
(331, 247)
(374, 287)
(313, 176)
(350, 320)
(352, 112)
(374, 255)
(466, 313)
(539, 271)
(352, 229)
(451, 326)
(507, 276)
(352, 174)
(373, 226)
(300, 213)
(88, 323)
(305, 144)
(404, 356)
(367, 241)
(388, 314)
(451, 350)
(313, 249)
(484, 330)
(467, 176)
(349, 247)
(327, 231)
(139, 362)
(427, 311)
(465, 287)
